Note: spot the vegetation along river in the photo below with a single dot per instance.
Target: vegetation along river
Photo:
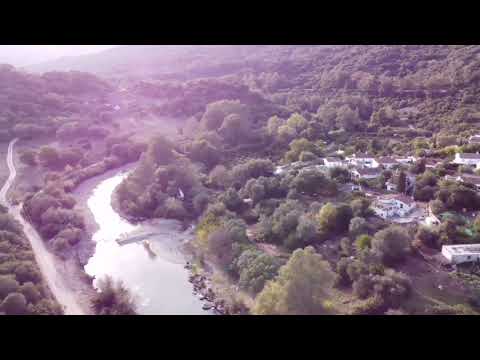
(155, 274)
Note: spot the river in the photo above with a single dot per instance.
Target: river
(158, 281)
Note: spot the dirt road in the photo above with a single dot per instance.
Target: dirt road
(46, 261)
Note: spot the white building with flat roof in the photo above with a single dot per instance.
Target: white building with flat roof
(331, 162)
(363, 160)
(467, 159)
(457, 254)
(388, 206)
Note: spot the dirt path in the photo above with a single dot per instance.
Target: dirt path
(46, 261)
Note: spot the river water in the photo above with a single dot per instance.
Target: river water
(159, 281)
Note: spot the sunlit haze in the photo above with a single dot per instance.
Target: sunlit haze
(22, 55)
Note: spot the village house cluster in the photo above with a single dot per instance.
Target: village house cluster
(399, 207)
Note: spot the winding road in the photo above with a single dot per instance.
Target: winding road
(45, 259)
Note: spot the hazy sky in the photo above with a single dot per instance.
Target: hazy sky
(22, 55)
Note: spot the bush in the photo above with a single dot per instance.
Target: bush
(428, 237)
(14, 304)
(29, 157)
(254, 168)
(31, 292)
(372, 306)
(391, 244)
(307, 156)
(334, 218)
(174, 209)
(314, 182)
(200, 202)
(256, 269)
(8, 285)
(231, 200)
(301, 288)
(358, 226)
(220, 177)
(362, 287)
(113, 298)
(363, 242)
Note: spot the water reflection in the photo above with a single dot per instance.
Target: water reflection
(159, 282)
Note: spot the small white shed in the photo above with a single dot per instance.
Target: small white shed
(457, 254)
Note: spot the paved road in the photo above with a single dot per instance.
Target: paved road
(45, 259)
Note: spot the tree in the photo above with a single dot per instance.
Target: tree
(340, 174)
(220, 177)
(234, 129)
(297, 122)
(8, 285)
(160, 150)
(334, 218)
(391, 244)
(231, 199)
(418, 167)
(113, 298)
(347, 118)
(402, 182)
(273, 124)
(302, 287)
(313, 182)
(255, 269)
(361, 207)
(31, 292)
(298, 146)
(14, 304)
(49, 157)
(29, 157)
(203, 151)
(363, 242)
(358, 226)
(200, 202)
(216, 113)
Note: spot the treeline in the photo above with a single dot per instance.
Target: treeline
(22, 289)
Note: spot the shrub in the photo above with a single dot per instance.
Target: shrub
(363, 242)
(220, 177)
(256, 269)
(302, 287)
(231, 199)
(8, 285)
(113, 298)
(14, 304)
(391, 244)
(31, 292)
(314, 182)
(200, 202)
(358, 226)
(362, 287)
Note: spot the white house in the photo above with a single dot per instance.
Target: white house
(475, 139)
(406, 159)
(366, 173)
(364, 160)
(388, 206)
(331, 162)
(467, 159)
(457, 254)
(387, 162)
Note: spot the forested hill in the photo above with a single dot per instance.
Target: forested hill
(32, 105)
